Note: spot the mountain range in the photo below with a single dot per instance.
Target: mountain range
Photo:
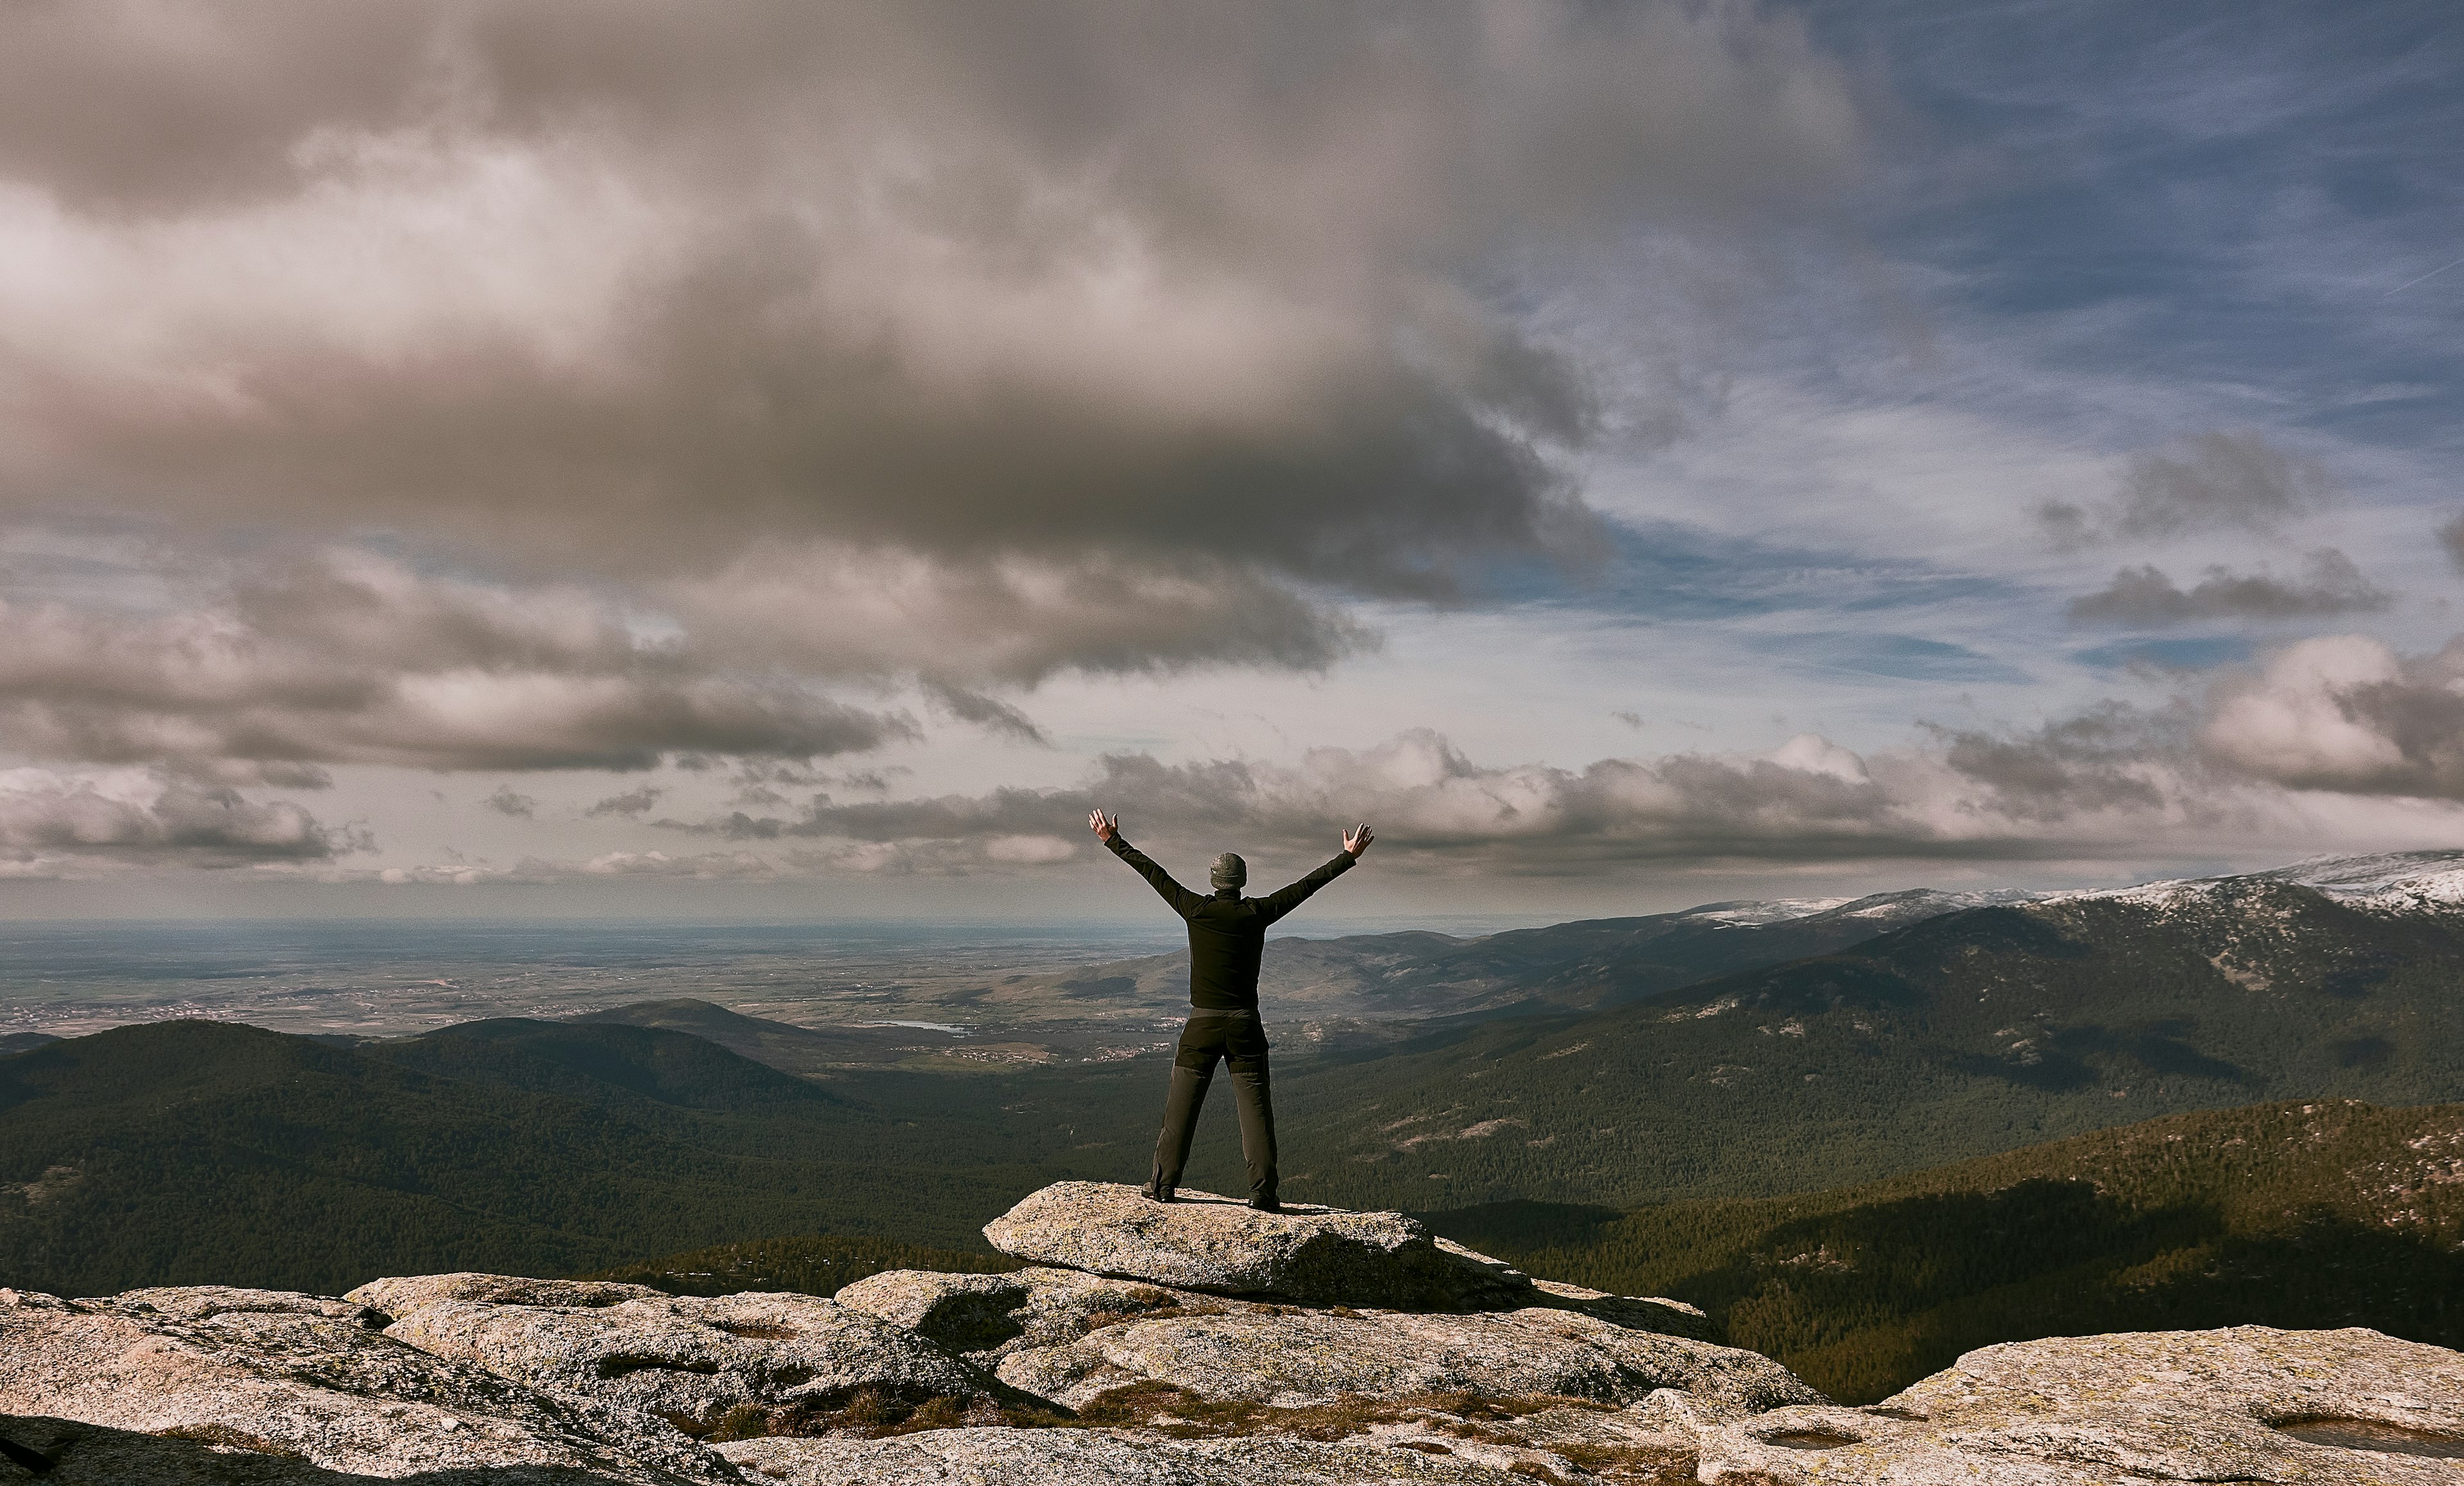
(1966, 1033)
(1734, 1051)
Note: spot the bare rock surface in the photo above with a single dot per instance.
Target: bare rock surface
(988, 1317)
(691, 1359)
(400, 1296)
(268, 1382)
(1289, 1358)
(1085, 1457)
(2243, 1404)
(483, 1380)
(1325, 1256)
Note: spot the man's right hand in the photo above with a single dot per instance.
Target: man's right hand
(1104, 826)
(1356, 840)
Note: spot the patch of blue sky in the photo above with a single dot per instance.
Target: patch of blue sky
(2212, 190)
(1667, 571)
(1895, 657)
(2173, 652)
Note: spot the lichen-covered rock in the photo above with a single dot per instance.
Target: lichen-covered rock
(1290, 1358)
(690, 1360)
(1085, 1457)
(1325, 1256)
(400, 1296)
(300, 1379)
(988, 1317)
(2244, 1404)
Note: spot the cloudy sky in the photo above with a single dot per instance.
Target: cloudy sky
(656, 457)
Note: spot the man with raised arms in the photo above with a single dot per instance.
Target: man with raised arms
(1228, 938)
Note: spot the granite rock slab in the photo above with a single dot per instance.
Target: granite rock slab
(269, 1382)
(1308, 1254)
(2243, 1404)
(690, 1360)
(1292, 1358)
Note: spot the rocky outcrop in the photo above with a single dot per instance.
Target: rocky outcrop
(2246, 1403)
(400, 1296)
(1063, 1375)
(1292, 1359)
(290, 1381)
(1308, 1254)
(692, 1360)
(989, 1316)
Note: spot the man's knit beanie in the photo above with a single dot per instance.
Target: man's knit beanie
(1228, 871)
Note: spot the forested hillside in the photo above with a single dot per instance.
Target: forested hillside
(192, 1152)
(1963, 1035)
(2305, 1214)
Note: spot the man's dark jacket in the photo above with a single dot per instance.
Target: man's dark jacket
(1227, 932)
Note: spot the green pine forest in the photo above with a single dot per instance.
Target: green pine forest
(2298, 1215)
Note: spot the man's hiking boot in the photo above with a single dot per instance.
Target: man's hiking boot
(1266, 1203)
(1156, 1191)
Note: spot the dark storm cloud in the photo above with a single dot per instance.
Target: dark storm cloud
(2143, 597)
(627, 285)
(2215, 480)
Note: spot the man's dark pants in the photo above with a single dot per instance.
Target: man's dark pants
(1239, 1038)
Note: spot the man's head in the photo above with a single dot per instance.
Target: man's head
(1228, 871)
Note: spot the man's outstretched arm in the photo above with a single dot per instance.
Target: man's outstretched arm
(1354, 841)
(1107, 829)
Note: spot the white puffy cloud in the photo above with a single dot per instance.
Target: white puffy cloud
(52, 822)
(2347, 713)
(347, 658)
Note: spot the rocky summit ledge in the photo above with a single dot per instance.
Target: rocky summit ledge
(1348, 1346)
(1306, 1253)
